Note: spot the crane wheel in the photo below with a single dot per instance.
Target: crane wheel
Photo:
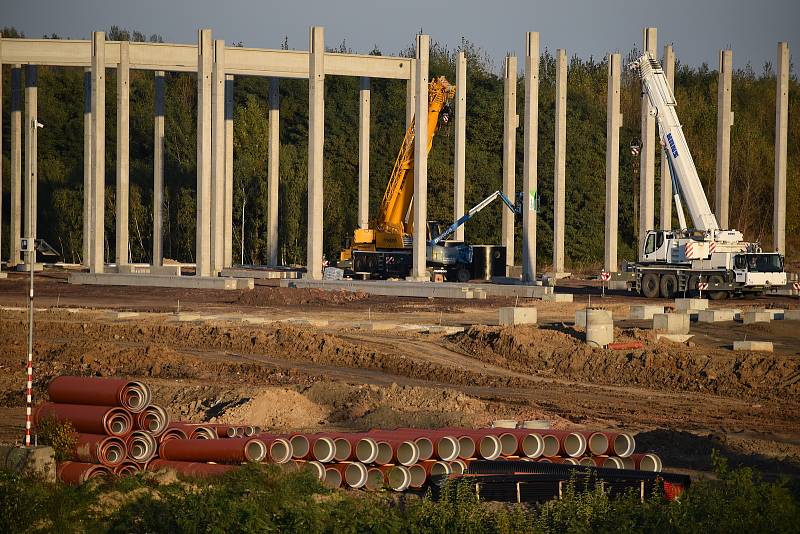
(716, 295)
(650, 285)
(669, 286)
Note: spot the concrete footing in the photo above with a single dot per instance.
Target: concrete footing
(684, 305)
(261, 274)
(750, 317)
(776, 314)
(38, 462)
(557, 297)
(716, 316)
(791, 315)
(599, 327)
(644, 311)
(671, 323)
(152, 280)
(760, 346)
(515, 316)
(118, 315)
(580, 316)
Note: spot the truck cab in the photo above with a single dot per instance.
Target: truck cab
(759, 269)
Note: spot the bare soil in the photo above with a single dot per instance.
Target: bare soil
(682, 400)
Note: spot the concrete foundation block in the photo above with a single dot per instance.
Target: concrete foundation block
(39, 461)
(758, 316)
(716, 316)
(375, 327)
(516, 316)
(671, 323)
(166, 270)
(320, 323)
(117, 315)
(777, 315)
(791, 315)
(3, 276)
(132, 268)
(580, 316)
(23, 268)
(152, 280)
(760, 346)
(691, 304)
(644, 311)
(599, 327)
(557, 297)
(675, 338)
(184, 317)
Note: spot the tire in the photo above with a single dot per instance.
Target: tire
(691, 286)
(716, 295)
(650, 285)
(669, 286)
(462, 275)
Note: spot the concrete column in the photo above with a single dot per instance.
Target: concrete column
(97, 199)
(724, 122)
(218, 156)
(647, 159)
(363, 154)
(316, 139)
(16, 166)
(529, 171)
(123, 169)
(411, 95)
(205, 60)
(559, 173)
(781, 140)
(419, 271)
(228, 219)
(613, 123)
(509, 155)
(31, 180)
(273, 177)
(87, 168)
(158, 169)
(665, 205)
(460, 126)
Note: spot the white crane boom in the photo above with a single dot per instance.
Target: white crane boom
(662, 100)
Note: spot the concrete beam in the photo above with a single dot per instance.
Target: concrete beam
(418, 270)
(724, 122)
(559, 173)
(613, 123)
(123, 145)
(16, 166)
(31, 150)
(316, 140)
(665, 205)
(460, 151)
(529, 168)
(228, 219)
(87, 168)
(273, 177)
(97, 242)
(781, 143)
(647, 161)
(218, 156)
(205, 59)
(158, 170)
(363, 153)
(510, 121)
(183, 58)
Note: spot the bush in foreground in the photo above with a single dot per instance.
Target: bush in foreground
(265, 499)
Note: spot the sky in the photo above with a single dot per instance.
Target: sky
(698, 29)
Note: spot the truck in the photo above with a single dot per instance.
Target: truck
(704, 257)
(384, 249)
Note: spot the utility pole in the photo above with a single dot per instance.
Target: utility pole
(29, 246)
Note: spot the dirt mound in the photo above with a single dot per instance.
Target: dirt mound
(284, 296)
(560, 353)
(277, 408)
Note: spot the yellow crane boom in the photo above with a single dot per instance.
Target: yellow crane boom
(391, 226)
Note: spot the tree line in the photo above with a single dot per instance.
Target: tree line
(60, 156)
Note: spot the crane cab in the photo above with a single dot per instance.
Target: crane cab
(656, 247)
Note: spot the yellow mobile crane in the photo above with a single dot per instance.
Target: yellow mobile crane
(392, 230)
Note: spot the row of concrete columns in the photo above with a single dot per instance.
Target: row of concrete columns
(215, 146)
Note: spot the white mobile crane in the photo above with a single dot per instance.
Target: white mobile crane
(681, 261)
